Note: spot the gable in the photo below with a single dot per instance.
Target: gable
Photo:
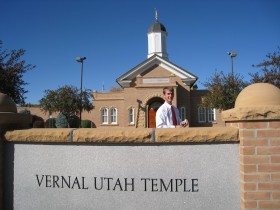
(156, 71)
(156, 65)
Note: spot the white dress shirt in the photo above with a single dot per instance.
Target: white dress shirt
(164, 116)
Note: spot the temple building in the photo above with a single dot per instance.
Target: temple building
(135, 105)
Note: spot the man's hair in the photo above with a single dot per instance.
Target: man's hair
(171, 89)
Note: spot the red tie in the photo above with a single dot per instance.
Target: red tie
(173, 116)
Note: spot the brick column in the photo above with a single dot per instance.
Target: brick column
(257, 116)
(260, 164)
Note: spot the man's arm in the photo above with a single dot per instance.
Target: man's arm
(181, 123)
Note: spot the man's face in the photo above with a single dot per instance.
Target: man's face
(168, 96)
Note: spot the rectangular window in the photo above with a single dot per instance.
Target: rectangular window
(201, 114)
(211, 115)
(131, 116)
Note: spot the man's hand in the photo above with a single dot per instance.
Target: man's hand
(185, 123)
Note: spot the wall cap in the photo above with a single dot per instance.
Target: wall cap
(124, 135)
(252, 113)
(258, 94)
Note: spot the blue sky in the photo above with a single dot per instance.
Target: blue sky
(113, 37)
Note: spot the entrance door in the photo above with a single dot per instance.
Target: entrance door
(152, 118)
(153, 107)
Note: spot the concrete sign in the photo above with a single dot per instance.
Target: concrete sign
(156, 80)
(126, 177)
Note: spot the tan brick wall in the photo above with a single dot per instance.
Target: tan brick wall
(259, 164)
(36, 111)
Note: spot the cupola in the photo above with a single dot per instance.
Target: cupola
(157, 39)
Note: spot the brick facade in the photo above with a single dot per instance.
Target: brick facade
(141, 95)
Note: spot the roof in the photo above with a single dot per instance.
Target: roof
(157, 27)
(185, 76)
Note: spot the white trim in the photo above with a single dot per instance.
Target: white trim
(116, 116)
(131, 115)
(211, 112)
(104, 116)
(152, 61)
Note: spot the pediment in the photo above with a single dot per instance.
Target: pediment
(151, 62)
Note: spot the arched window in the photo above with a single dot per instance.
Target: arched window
(183, 113)
(104, 115)
(131, 116)
(211, 115)
(201, 114)
(113, 115)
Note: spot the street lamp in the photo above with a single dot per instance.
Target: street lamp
(50, 121)
(232, 55)
(81, 60)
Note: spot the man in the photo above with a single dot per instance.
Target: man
(165, 116)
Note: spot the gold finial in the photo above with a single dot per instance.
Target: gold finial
(156, 14)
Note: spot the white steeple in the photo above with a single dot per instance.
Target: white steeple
(157, 39)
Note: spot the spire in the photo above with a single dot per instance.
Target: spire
(156, 14)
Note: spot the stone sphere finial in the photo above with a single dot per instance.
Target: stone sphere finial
(7, 104)
(258, 94)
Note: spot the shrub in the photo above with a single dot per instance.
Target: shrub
(37, 118)
(24, 111)
(86, 124)
(38, 124)
(74, 122)
(61, 121)
(50, 123)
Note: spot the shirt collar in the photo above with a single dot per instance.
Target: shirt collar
(168, 105)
